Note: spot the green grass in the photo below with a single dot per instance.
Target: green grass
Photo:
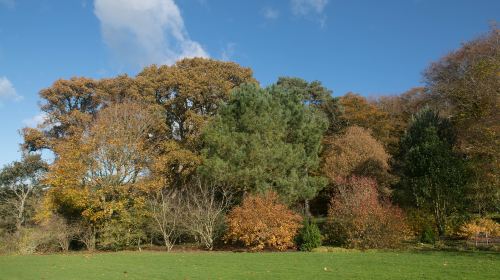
(339, 265)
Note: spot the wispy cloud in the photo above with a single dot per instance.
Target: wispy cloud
(305, 7)
(228, 51)
(142, 32)
(35, 120)
(270, 13)
(7, 91)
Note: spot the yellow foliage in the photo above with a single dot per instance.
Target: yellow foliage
(481, 225)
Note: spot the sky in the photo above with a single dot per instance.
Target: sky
(368, 47)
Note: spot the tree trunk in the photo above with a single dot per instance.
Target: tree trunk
(307, 210)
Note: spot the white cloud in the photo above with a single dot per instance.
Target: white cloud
(146, 31)
(306, 7)
(270, 13)
(7, 90)
(35, 120)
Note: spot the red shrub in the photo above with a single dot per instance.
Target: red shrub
(358, 219)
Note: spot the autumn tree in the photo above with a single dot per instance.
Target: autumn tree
(98, 174)
(356, 152)
(190, 92)
(401, 108)
(433, 176)
(69, 105)
(358, 111)
(265, 139)
(466, 83)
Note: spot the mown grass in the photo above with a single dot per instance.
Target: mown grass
(227, 265)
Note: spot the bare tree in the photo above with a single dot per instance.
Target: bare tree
(165, 209)
(205, 207)
(60, 231)
(86, 234)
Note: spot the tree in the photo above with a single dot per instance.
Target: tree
(466, 84)
(356, 152)
(21, 181)
(433, 176)
(400, 109)
(317, 96)
(166, 210)
(358, 111)
(265, 139)
(204, 207)
(100, 176)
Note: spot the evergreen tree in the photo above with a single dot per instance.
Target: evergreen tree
(433, 176)
(266, 139)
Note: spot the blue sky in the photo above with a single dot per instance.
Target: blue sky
(369, 47)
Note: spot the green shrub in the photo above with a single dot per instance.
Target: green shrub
(309, 236)
(428, 235)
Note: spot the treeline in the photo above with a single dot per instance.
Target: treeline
(199, 152)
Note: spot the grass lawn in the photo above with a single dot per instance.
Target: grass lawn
(227, 265)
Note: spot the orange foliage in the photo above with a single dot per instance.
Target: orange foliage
(262, 222)
(346, 152)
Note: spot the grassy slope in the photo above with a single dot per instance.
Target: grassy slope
(151, 265)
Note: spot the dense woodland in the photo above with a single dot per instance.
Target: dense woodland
(200, 153)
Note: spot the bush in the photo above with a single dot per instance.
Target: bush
(309, 236)
(357, 219)
(34, 239)
(422, 223)
(480, 226)
(59, 231)
(8, 243)
(428, 235)
(262, 222)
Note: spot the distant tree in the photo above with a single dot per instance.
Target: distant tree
(20, 182)
(401, 108)
(358, 111)
(433, 176)
(265, 139)
(317, 96)
(466, 84)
